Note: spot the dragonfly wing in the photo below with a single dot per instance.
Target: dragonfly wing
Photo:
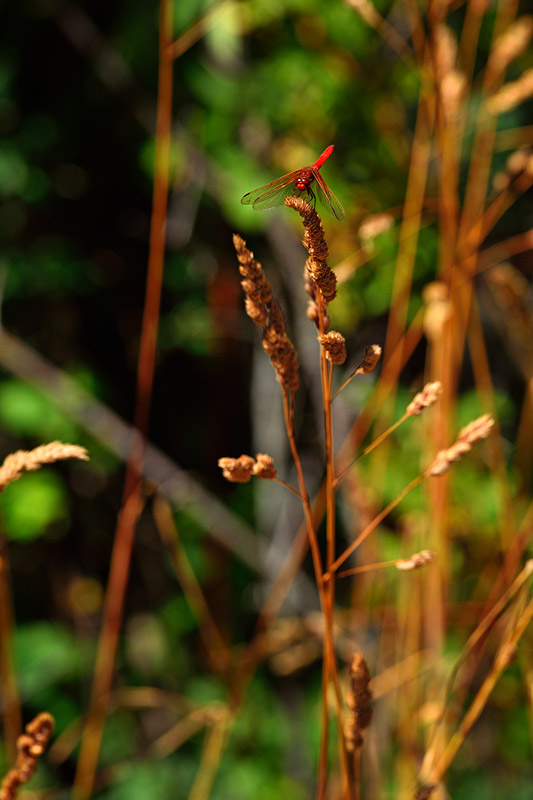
(326, 196)
(272, 194)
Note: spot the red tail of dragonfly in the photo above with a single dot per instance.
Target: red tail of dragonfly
(307, 182)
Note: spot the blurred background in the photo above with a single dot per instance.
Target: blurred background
(260, 88)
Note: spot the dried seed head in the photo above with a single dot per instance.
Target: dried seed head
(255, 285)
(512, 94)
(28, 460)
(468, 436)
(359, 700)
(335, 346)
(264, 466)
(266, 312)
(30, 746)
(315, 244)
(369, 362)
(424, 399)
(511, 44)
(237, 470)
(416, 561)
(279, 347)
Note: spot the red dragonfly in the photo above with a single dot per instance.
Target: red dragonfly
(297, 183)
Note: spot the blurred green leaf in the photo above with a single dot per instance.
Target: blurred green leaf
(32, 503)
(45, 653)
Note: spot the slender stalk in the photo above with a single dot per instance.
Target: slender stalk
(369, 449)
(373, 525)
(503, 657)
(281, 482)
(11, 712)
(131, 506)
(216, 647)
(211, 757)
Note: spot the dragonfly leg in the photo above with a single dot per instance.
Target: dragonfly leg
(312, 195)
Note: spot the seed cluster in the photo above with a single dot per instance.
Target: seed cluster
(266, 312)
(30, 746)
(240, 470)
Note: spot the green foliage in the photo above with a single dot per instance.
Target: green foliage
(45, 654)
(31, 504)
(27, 412)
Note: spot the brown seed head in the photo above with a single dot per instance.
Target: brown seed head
(424, 399)
(316, 246)
(266, 312)
(416, 561)
(359, 700)
(255, 285)
(468, 436)
(369, 362)
(28, 460)
(264, 466)
(279, 347)
(335, 346)
(30, 746)
(237, 470)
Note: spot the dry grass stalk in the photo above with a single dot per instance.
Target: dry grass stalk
(511, 44)
(30, 746)
(512, 94)
(359, 700)
(375, 224)
(240, 470)
(425, 792)
(28, 460)
(416, 561)
(438, 309)
(315, 243)
(468, 436)
(445, 51)
(334, 346)
(424, 399)
(266, 312)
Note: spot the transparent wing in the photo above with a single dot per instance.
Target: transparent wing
(272, 194)
(326, 196)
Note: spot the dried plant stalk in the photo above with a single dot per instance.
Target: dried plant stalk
(511, 44)
(28, 460)
(30, 746)
(512, 94)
